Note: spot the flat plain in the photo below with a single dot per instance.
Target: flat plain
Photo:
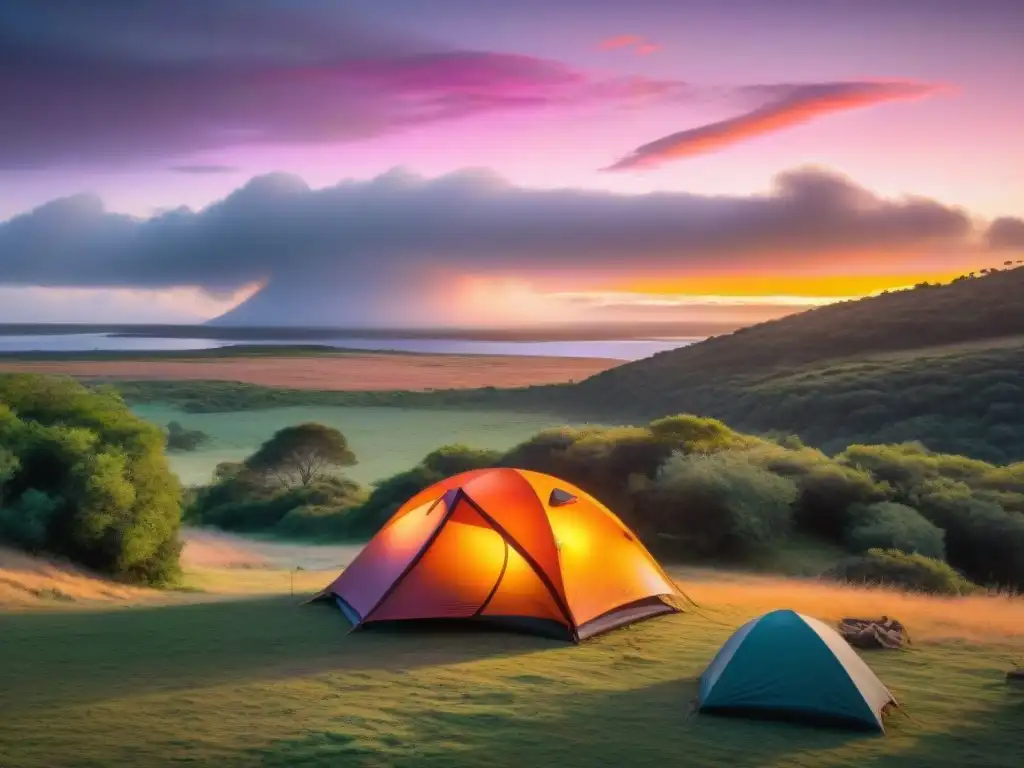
(326, 372)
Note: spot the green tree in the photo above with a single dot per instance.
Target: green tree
(90, 481)
(8, 467)
(299, 454)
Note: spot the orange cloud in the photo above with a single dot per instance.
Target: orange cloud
(641, 46)
(797, 104)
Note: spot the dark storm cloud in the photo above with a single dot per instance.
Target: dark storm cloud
(402, 227)
(1006, 234)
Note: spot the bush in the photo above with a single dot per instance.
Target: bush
(983, 540)
(314, 521)
(455, 459)
(716, 506)
(84, 478)
(239, 501)
(895, 526)
(890, 567)
(828, 492)
(181, 439)
(386, 497)
(26, 522)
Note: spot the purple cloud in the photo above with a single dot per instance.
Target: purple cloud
(203, 169)
(109, 81)
(1006, 234)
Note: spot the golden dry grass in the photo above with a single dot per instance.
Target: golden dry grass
(219, 566)
(341, 372)
(982, 618)
(31, 581)
(216, 566)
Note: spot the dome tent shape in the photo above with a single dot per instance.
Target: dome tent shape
(508, 546)
(785, 665)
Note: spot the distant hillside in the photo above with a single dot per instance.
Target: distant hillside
(943, 364)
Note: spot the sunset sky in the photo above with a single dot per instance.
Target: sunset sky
(482, 162)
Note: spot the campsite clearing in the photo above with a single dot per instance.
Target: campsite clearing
(216, 679)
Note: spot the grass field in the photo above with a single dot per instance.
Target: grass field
(349, 370)
(266, 682)
(385, 440)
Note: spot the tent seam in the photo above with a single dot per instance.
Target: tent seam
(414, 561)
(545, 580)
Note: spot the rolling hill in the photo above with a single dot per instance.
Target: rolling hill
(941, 364)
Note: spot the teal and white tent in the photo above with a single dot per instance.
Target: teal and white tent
(789, 666)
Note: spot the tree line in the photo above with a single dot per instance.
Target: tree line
(695, 490)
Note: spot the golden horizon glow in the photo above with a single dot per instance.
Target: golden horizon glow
(767, 287)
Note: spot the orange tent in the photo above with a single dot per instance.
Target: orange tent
(511, 546)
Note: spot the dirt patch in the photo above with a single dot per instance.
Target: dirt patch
(342, 372)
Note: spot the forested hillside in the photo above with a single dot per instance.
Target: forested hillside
(941, 364)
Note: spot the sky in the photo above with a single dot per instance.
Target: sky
(479, 162)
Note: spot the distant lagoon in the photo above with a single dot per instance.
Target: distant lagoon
(616, 349)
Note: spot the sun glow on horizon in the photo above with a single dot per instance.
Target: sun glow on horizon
(776, 288)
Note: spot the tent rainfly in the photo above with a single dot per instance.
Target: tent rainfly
(508, 546)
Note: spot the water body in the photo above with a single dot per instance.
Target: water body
(617, 349)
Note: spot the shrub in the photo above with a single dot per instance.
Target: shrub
(715, 506)
(455, 459)
(181, 439)
(982, 539)
(27, 521)
(239, 503)
(828, 492)
(890, 567)
(887, 525)
(693, 434)
(89, 480)
(317, 520)
(386, 497)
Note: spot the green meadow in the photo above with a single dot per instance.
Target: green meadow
(267, 682)
(385, 440)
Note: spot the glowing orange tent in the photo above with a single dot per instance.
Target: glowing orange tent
(510, 546)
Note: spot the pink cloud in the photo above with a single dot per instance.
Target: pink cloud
(640, 45)
(796, 105)
(620, 41)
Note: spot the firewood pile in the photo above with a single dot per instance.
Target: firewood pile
(883, 633)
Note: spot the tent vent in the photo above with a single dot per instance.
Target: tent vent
(559, 498)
